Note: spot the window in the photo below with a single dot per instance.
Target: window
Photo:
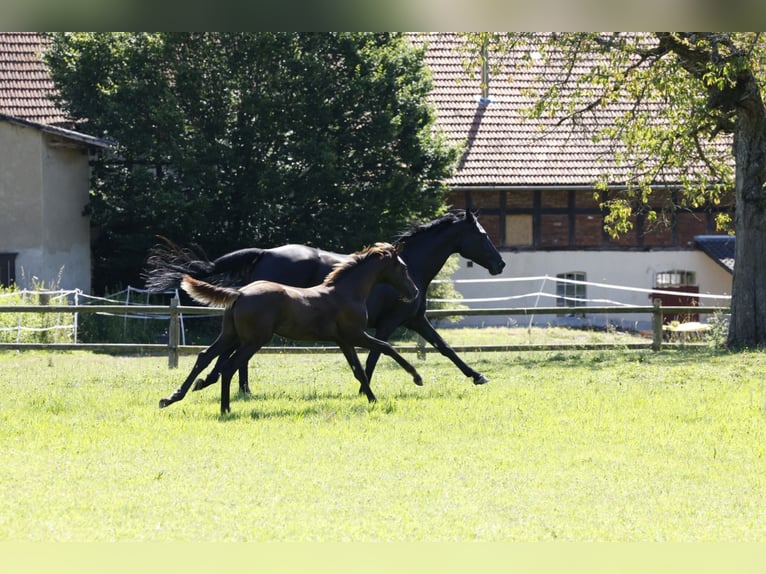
(675, 278)
(518, 230)
(569, 294)
(7, 269)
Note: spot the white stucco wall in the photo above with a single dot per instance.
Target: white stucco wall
(44, 184)
(628, 269)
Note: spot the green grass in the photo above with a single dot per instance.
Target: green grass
(538, 336)
(602, 445)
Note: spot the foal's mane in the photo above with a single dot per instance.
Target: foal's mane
(340, 269)
(442, 221)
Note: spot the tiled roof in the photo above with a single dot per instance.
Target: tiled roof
(25, 82)
(503, 146)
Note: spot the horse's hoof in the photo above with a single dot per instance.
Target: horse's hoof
(480, 379)
(164, 403)
(418, 380)
(199, 384)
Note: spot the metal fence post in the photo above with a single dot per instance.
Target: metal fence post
(657, 325)
(174, 332)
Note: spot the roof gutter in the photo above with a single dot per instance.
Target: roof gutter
(60, 132)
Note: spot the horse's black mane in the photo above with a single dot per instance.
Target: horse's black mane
(444, 220)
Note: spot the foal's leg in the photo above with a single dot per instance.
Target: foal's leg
(374, 344)
(219, 347)
(239, 358)
(382, 332)
(213, 375)
(358, 370)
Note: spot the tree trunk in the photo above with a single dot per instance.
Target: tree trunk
(748, 303)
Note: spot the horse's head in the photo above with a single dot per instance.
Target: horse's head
(395, 272)
(475, 244)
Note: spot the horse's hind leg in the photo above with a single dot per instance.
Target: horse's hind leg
(211, 377)
(244, 385)
(203, 360)
(382, 332)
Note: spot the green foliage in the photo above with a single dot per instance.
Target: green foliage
(239, 139)
(572, 446)
(445, 290)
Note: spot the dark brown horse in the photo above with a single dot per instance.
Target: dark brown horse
(333, 311)
(425, 249)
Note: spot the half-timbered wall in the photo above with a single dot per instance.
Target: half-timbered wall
(529, 219)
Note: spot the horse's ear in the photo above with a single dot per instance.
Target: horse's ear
(398, 247)
(470, 215)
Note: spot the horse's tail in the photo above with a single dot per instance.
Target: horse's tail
(167, 264)
(209, 294)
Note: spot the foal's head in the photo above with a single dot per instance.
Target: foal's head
(390, 268)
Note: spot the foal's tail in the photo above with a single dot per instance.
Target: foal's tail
(209, 294)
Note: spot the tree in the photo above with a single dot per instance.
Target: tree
(230, 140)
(691, 101)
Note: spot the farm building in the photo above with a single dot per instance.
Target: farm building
(44, 178)
(535, 195)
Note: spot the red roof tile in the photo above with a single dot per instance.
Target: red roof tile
(24, 80)
(503, 147)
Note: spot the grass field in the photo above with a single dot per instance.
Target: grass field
(601, 445)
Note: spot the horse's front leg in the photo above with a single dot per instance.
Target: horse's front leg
(356, 367)
(423, 326)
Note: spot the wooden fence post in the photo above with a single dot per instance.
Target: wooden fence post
(174, 334)
(657, 325)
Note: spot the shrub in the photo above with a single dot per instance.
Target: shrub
(35, 327)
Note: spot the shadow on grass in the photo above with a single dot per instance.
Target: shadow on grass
(298, 410)
(604, 359)
(319, 405)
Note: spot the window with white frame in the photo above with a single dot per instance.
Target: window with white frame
(571, 289)
(675, 278)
